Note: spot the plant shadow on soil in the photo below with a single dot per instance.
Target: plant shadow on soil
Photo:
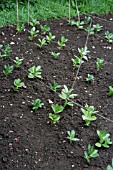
(27, 139)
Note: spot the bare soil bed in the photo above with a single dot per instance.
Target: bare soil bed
(28, 140)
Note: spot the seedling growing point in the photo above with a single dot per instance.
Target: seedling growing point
(35, 72)
(37, 104)
(104, 139)
(92, 153)
(71, 136)
(88, 114)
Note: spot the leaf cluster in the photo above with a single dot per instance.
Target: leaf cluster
(71, 136)
(17, 84)
(91, 153)
(7, 69)
(104, 139)
(33, 33)
(54, 86)
(37, 104)
(18, 62)
(62, 42)
(66, 94)
(55, 116)
(35, 71)
(88, 114)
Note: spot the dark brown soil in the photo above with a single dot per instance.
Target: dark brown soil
(28, 141)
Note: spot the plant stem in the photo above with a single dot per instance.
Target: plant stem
(28, 10)
(69, 11)
(76, 76)
(17, 12)
(77, 10)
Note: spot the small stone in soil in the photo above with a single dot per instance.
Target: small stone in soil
(4, 159)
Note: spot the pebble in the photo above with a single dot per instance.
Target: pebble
(93, 47)
(21, 116)
(3, 33)
(90, 94)
(23, 102)
(12, 43)
(4, 159)
(10, 146)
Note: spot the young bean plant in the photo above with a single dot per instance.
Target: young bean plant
(33, 33)
(90, 78)
(7, 70)
(55, 116)
(76, 62)
(35, 72)
(88, 114)
(66, 96)
(72, 22)
(110, 167)
(18, 62)
(41, 42)
(50, 37)
(90, 30)
(37, 104)
(99, 63)
(6, 51)
(79, 24)
(97, 27)
(71, 136)
(110, 91)
(55, 55)
(109, 36)
(57, 108)
(44, 29)
(20, 27)
(54, 86)
(34, 22)
(62, 42)
(83, 53)
(18, 84)
(92, 153)
(87, 20)
(104, 139)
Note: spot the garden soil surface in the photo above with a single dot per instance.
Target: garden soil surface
(28, 140)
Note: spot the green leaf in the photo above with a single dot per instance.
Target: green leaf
(71, 136)
(31, 75)
(57, 108)
(98, 144)
(63, 95)
(70, 104)
(109, 167)
(54, 118)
